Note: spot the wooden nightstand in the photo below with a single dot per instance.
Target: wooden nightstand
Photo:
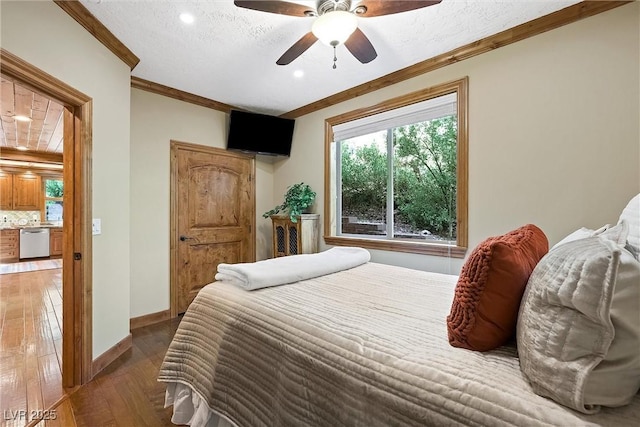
(293, 238)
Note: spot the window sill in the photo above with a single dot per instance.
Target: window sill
(399, 246)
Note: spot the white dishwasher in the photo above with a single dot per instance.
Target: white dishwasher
(34, 242)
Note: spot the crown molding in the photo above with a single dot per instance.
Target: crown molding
(159, 89)
(532, 28)
(82, 16)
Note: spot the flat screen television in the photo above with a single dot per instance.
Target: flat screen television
(260, 133)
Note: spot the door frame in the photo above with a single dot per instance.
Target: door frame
(173, 228)
(77, 324)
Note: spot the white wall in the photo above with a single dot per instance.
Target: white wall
(45, 36)
(155, 121)
(553, 132)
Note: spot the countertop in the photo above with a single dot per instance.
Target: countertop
(20, 227)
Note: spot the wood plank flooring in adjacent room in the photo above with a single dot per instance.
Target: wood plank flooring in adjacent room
(30, 344)
(125, 393)
(34, 265)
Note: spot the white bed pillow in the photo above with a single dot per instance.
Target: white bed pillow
(582, 233)
(631, 214)
(578, 328)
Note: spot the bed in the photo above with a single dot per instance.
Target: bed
(366, 346)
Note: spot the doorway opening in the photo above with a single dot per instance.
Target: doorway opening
(76, 223)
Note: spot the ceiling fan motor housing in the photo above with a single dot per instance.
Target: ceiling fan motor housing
(325, 6)
(335, 23)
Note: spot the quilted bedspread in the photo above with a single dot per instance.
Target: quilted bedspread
(363, 347)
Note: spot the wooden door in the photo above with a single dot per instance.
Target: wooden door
(212, 217)
(27, 192)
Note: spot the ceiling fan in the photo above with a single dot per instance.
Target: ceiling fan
(335, 22)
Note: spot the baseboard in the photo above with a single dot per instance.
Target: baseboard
(110, 355)
(149, 319)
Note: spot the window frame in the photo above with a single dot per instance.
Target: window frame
(460, 87)
(43, 209)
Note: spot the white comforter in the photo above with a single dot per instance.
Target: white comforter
(363, 347)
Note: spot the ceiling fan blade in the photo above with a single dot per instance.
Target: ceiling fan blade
(387, 7)
(297, 49)
(281, 7)
(360, 46)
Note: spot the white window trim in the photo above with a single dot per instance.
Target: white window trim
(332, 215)
(423, 111)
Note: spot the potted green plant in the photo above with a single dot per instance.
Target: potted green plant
(296, 200)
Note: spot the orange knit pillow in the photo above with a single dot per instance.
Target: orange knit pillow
(487, 297)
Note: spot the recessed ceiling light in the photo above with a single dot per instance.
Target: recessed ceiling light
(187, 18)
(21, 148)
(298, 74)
(22, 118)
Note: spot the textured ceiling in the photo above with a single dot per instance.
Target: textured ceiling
(229, 54)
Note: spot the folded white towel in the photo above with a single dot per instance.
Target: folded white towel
(282, 270)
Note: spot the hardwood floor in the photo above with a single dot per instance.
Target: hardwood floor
(30, 344)
(125, 393)
(25, 266)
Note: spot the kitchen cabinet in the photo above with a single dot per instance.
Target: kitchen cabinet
(293, 238)
(20, 192)
(27, 192)
(6, 191)
(55, 242)
(9, 245)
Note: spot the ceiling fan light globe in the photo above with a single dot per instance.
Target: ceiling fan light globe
(335, 27)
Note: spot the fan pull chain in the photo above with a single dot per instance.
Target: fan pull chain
(335, 58)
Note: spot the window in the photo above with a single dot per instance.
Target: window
(396, 174)
(53, 192)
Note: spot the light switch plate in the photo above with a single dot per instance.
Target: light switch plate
(96, 226)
